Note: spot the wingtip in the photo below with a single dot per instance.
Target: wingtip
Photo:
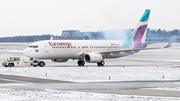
(51, 38)
(170, 42)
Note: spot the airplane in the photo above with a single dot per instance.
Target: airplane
(91, 51)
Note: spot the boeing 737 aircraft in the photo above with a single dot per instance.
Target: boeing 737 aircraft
(91, 51)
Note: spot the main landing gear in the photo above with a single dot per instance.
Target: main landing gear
(81, 62)
(36, 63)
(41, 63)
(101, 63)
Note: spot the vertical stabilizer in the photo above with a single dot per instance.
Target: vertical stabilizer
(139, 33)
(138, 36)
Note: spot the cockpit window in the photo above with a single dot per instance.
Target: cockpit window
(33, 46)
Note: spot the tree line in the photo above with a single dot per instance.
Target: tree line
(152, 35)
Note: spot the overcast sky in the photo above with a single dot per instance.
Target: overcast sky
(32, 17)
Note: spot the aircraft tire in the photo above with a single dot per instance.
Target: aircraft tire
(102, 63)
(82, 62)
(10, 65)
(79, 63)
(98, 64)
(41, 64)
(34, 65)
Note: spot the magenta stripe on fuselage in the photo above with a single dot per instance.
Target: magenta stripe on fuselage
(138, 36)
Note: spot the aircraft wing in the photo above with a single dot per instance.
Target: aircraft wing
(130, 50)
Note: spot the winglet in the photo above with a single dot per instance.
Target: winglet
(169, 44)
(51, 38)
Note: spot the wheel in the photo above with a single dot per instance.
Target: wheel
(79, 63)
(102, 63)
(98, 64)
(41, 64)
(82, 62)
(10, 65)
(35, 65)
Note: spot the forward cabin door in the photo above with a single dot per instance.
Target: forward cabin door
(46, 49)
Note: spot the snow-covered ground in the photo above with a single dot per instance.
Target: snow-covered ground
(169, 89)
(57, 95)
(84, 74)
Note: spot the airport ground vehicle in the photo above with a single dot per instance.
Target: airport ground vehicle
(15, 61)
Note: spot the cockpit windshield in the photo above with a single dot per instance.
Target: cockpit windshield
(33, 46)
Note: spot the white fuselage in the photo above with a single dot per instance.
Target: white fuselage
(72, 49)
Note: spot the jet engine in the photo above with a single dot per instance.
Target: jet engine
(93, 58)
(59, 60)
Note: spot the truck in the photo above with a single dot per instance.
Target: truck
(15, 61)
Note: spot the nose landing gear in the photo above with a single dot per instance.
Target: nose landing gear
(36, 63)
(41, 63)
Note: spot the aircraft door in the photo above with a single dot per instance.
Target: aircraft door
(46, 49)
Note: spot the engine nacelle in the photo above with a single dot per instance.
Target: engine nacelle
(59, 60)
(93, 58)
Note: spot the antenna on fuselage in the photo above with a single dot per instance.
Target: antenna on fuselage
(51, 38)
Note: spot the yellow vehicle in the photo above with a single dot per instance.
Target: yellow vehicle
(15, 61)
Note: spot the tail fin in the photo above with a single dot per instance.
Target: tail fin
(139, 34)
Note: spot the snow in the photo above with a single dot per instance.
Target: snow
(83, 74)
(169, 89)
(57, 95)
